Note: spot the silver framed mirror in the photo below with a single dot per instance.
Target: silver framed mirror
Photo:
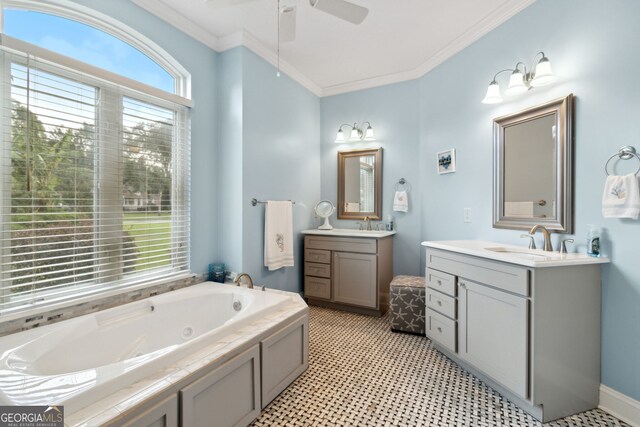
(533, 168)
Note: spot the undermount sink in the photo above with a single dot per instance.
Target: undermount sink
(534, 254)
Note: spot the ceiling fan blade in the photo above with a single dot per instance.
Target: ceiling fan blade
(219, 4)
(341, 9)
(287, 24)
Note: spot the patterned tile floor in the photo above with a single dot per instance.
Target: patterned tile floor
(362, 374)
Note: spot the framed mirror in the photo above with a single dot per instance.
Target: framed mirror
(360, 184)
(533, 168)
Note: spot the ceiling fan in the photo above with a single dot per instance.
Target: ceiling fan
(341, 9)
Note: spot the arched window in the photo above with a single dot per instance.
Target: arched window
(94, 159)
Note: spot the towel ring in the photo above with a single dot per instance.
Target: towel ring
(402, 185)
(625, 153)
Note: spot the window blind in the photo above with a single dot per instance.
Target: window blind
(94, 184)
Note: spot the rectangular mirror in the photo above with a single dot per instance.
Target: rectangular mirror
(533, 168)
(360, 184)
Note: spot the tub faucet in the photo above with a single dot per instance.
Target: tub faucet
(249, 282)
(547, 237)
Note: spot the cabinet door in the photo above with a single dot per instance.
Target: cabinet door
(354, 279)
(493, 334)
(285, 355)
(164, 414)
(227, 396)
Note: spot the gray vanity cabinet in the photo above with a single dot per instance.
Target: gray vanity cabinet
(351, 273)
(533, 333)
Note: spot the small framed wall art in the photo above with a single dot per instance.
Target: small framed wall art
(447, 161)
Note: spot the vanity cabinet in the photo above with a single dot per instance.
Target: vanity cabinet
(351, 273)
(531, 332)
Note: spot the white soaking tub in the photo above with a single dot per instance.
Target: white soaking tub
(82, 360)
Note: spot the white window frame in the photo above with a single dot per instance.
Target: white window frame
(102, 79)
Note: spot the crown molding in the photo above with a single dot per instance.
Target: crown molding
(241, 38)
(501, 15)
(256, 46)
(179, 21)
(244, 38)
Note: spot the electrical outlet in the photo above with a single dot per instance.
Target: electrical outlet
(467, 215)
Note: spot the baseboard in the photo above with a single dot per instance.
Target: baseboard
(620, 405)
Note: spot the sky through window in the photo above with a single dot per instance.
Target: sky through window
(86, 44)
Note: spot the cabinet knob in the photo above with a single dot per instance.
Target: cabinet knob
(463, 285)
(439, 302)
(440, 282)
(439, 329)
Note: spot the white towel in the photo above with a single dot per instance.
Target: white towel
(278, 235)
(401, 202)
(621, 197)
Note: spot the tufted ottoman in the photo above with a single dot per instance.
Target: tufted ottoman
(408, 304)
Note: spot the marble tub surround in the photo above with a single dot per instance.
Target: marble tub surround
(169, 378)
(18, 322)
(514, 254)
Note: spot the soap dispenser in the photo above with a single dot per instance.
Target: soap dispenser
(593, 240)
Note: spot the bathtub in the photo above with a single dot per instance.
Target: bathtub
(82, 360)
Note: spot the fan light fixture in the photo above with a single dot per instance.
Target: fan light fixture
(521, 81)
(357, 134)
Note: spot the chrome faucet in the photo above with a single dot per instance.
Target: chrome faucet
(547, 236)
(367, 221)
(238, 280)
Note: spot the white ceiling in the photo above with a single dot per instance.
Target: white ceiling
(399, 39)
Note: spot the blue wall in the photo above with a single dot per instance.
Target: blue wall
(394, 115)
(268, 149)
(200, 61)
(228, 161)
(280, 162)
(592, 46)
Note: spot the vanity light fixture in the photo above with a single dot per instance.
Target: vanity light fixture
(521, 81)
(357, 134)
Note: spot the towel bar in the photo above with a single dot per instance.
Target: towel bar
(254, 202)
(625, 153)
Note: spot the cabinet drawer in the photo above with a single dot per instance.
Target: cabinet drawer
(318, 270)
(501, 275)
(316, 287)
(363, 245)
(441, 303)
(445, 283)
(317, 255)
(441, 329)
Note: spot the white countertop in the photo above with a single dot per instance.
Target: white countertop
(344, 232)
(514, 254)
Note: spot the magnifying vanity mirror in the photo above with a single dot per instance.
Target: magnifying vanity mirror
(360, 184)
(533, 168)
